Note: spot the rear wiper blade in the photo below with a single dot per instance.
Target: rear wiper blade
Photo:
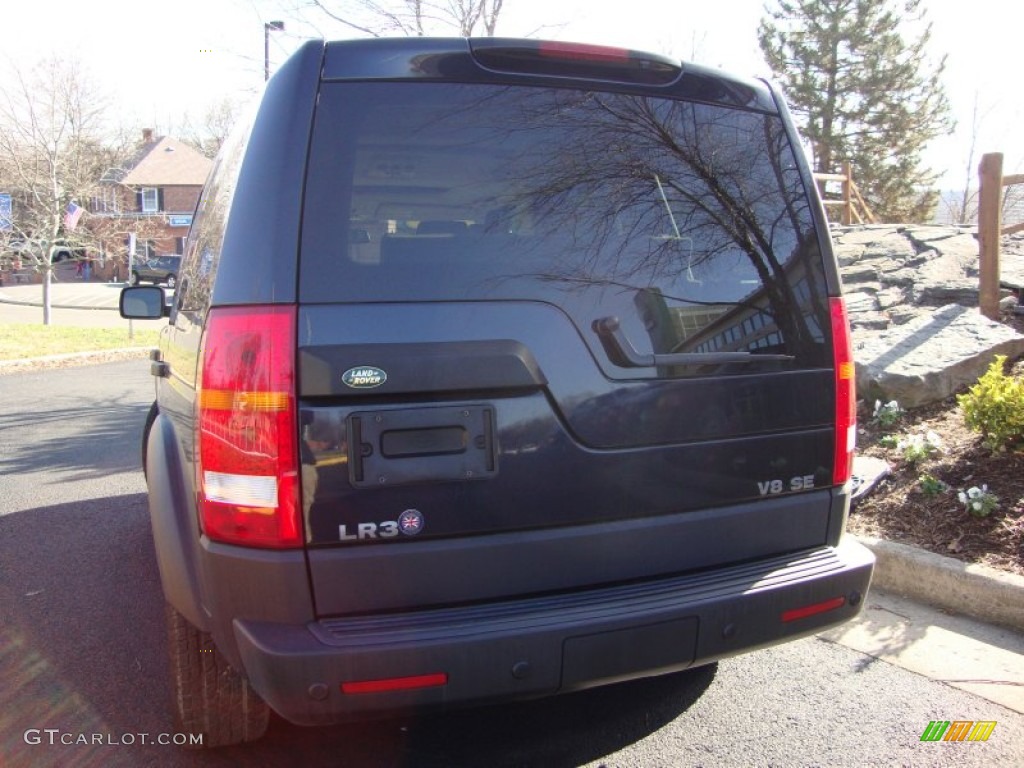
(622, 352)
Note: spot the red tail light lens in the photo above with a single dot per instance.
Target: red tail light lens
(846, 396)
(247, 459)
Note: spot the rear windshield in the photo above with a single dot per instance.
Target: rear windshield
(687, 222)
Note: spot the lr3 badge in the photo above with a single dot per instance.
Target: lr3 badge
(409, 523)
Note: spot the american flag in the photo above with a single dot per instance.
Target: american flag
(72, 215)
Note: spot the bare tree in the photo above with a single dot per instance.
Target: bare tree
(969, 198)
(414, 18)
(52, 154)
(208, 134)
(962, 206)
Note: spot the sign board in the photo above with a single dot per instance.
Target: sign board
(180, 221)
(6, 221)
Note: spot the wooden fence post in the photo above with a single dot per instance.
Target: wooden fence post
(848, 193)
(990, 224)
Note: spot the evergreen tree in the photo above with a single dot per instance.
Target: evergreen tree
(863, 91)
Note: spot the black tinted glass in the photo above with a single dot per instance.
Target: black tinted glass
(690, 223)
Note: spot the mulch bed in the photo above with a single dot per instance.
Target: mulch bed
(900, 509)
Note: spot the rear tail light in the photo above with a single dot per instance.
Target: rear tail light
(846, 396)
(247, 460)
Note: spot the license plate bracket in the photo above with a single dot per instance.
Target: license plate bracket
(416, 445)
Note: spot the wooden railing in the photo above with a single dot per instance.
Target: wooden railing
(855, 210)
(991, 229)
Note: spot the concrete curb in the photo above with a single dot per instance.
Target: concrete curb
(972, 590)
(74, 358)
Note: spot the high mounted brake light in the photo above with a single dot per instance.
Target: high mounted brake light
(846, 397)
(575, 60)
(247, 459)
(582, 52)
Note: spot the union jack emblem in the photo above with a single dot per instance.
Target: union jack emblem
(411, 522)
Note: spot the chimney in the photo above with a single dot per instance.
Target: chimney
(147, 135)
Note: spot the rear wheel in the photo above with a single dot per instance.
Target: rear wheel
(171, 281)
(208, 696)
(133, 278)
(154, 411)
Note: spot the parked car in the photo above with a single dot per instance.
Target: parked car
(538, 378)
(159, 269)
(69, 253)
(26, 250)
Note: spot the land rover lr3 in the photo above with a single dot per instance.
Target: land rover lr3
(496, 369)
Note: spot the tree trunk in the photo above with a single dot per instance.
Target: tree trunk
(47, 275)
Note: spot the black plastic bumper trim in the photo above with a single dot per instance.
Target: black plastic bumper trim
(563, 642)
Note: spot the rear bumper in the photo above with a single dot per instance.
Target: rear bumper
(553, 644)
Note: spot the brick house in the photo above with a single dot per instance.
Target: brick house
(154, 197)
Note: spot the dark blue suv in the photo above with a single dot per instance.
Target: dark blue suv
(496, 369)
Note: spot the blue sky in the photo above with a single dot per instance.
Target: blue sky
(159, 61)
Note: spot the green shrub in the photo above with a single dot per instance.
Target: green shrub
(995, 406)
(978, 501)
(888, 414)
(931, 486)
(919, 447)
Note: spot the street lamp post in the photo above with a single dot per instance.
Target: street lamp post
(276, 26)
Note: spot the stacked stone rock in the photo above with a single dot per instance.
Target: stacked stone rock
(912, 295)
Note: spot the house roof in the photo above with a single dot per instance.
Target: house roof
(168, 162)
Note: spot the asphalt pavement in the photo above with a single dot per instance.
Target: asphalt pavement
(963, 624)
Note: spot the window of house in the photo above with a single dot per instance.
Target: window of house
(105, 201)
(150, 199)
(145, 250)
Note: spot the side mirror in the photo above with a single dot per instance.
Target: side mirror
(143, 302)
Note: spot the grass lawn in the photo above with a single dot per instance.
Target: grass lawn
(19, 341)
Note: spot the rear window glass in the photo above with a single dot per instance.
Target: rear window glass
(687, 222)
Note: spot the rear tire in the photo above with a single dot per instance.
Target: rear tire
(207, 695)
(133, 278)
(154, 411)
(171, 281)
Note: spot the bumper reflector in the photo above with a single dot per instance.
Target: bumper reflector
(396, 683)
(811, 610)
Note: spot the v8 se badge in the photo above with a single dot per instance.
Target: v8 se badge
(771, 487)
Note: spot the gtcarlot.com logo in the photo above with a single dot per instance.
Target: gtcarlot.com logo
(958, 730)
(57, 737)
